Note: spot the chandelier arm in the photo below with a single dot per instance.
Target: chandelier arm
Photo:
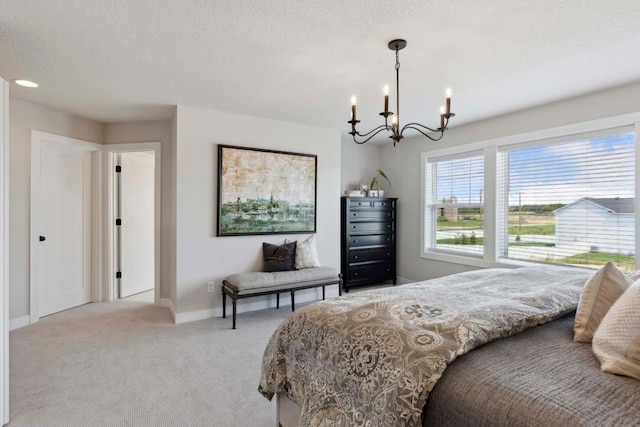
(378, 129)
(362, 142)
(423, 133)
(419, 125)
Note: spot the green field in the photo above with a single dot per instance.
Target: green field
(541, 229)
(457, 225)
(480, 241)
(624, 262)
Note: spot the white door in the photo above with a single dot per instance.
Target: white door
(137, 236)
(64, 229)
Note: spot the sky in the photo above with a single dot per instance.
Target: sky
(554, 173)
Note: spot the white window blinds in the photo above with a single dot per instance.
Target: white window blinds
(455, 207)
(569, 201)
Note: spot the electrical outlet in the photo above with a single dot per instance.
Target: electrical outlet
(211, 285)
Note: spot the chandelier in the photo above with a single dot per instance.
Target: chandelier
(395, 129)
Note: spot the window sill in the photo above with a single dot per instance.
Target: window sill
(483, 263)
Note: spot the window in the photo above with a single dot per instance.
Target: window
(569, 202)
(455, 207)
(552, 199)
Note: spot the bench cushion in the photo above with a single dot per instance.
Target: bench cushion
(247, 283)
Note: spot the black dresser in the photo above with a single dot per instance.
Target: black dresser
(368, 240)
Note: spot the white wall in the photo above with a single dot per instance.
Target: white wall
(25, 117)
(201, 256)
(402, 163)
(152, 131)
(360, 163)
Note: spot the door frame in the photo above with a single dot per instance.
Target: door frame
(38, 140)
(4, 251)
(110, 292)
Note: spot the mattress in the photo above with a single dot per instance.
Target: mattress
(539, 377)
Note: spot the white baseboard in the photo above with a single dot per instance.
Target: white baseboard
(19, 322)
(269, 301)
(166, 302)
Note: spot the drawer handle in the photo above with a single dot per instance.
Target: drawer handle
(388, 239)
(388, 225)
(388, 254)
(355, 274)
(388, 270)
(382, 204)
(355, 241)
(355, 257)
(355, 226)
(355, 214)
(388, 214)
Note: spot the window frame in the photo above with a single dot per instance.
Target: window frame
(490, 149)
(430, 205)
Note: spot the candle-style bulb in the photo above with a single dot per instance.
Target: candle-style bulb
(394, 120)
(442, 110)
(385, 90)
(353, 100)
(448, 92)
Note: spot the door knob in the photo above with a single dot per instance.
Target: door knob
(42, 238)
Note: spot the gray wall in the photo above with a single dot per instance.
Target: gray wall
(402, 163)
(201, 256)
(360, 163)
(25, 117)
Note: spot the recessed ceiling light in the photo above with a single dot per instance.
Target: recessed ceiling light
(25, 83)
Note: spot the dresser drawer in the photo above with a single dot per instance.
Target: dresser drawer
(382, 204)
(375, 240)
(370, 215)
(360, 204)
(370, 227)
(365, 255)
(381, 271)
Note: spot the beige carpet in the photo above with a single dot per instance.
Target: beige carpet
(125, 364)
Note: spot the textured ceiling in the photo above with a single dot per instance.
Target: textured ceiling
(300, 61)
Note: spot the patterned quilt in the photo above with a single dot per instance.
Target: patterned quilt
(372, 358)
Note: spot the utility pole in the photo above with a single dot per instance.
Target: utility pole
(520, 213)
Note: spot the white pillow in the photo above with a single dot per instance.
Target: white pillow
(617, 341)
(598, 295)
(306, 253)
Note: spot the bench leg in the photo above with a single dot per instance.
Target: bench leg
(234, 314)
(323, 293)
(293, 301)
(224, 305)
(278, 300)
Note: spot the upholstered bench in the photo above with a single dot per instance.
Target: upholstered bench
(245, 285)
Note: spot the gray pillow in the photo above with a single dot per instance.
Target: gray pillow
(279, 258)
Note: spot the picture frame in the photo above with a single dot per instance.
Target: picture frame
(264, 191)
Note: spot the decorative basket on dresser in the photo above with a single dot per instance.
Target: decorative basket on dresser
(368, 240)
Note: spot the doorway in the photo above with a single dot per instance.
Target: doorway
(134, 227)
(64, 203)
(133, 222)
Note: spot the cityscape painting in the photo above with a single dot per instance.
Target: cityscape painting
(265, 192)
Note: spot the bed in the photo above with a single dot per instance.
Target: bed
(538, 377)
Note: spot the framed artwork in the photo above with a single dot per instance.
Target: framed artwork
(265, 191)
